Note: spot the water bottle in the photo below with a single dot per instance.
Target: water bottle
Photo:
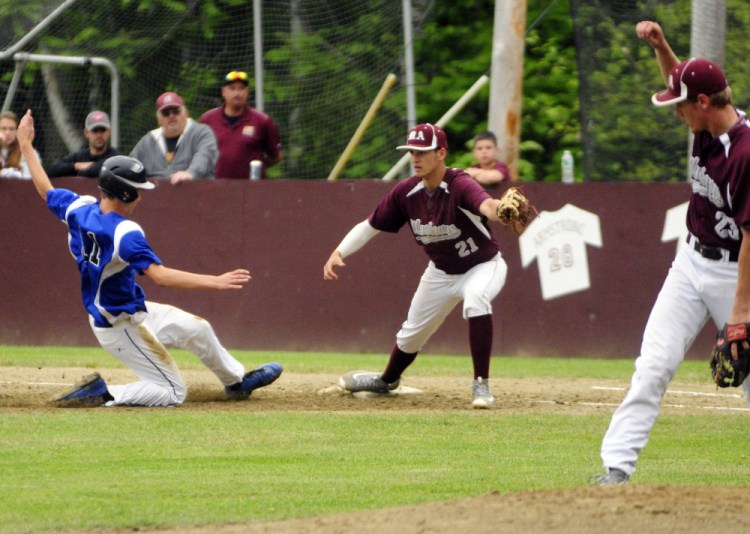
(567, 168)
(256, 167)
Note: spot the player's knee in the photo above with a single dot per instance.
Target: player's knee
(179, 393)
(195, 334)
(477, 307)
(409, 344)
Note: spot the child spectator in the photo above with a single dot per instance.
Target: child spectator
(488, 170)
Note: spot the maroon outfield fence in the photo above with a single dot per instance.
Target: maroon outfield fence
(283, 232)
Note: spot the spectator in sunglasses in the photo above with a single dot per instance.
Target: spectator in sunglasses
(179, 149)
(87, 161)
(243, 133)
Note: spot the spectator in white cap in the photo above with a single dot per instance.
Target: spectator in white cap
(179, 149)
(87, 161)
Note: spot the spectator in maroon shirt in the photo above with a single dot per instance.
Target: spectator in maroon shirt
(243, 133)
(488, 170)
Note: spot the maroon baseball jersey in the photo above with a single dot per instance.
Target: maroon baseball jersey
(720, 179)
(252, 136)
(446, 222)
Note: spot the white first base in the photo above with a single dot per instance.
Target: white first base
(401, 390)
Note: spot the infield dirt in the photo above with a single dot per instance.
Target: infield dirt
(636, 508)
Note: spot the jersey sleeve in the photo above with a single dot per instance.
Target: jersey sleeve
(388, 215)
(470, 193)
(59, 200)
(133, 247)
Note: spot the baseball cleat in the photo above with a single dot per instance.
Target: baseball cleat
(611, 478)
(91, 390)
(365, 381)
(257, 378)
(482, 397)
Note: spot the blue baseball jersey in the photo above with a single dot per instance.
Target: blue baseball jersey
(109, 250)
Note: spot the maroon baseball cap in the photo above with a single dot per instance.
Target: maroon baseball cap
(168, 100)
(424, 137)
(689, 79)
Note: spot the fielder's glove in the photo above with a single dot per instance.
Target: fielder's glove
(730, 357)
(515, 210)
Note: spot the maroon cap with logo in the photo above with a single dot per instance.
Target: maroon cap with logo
(168, 100)
(689, 79)
(424, 137)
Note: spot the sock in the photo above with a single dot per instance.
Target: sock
(480, 341)
(397, 364)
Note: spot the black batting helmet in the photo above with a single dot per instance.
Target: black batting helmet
(122, 176)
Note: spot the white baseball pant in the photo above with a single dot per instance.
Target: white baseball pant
(141, 344)
(438, 293)
(695, 289)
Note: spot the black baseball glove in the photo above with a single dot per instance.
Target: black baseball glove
(730, 357)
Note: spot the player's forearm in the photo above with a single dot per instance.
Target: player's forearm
(38, 174)
(667, 60)
(488, 208)
(741, 307)
(356, 238)
(166, 277)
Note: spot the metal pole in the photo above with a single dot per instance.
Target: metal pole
(13, 84)
(99, 61)
(357, 137)
(258, 41)
(411, 99)
(38, 28)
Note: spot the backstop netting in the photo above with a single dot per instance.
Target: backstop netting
(323, 63)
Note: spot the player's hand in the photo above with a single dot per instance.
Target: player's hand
(233, 279)
(25, 133)
(334, 261)
(650, 32)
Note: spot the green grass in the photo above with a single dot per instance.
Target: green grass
(130, 468)
(318, 362)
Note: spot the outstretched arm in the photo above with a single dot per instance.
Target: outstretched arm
(164, 276)
(25, 136)
(488, 208)
(354, 240)
(652, 33)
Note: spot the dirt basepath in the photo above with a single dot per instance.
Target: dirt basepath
(635, 508)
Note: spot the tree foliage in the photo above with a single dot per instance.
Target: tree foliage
(586, 88)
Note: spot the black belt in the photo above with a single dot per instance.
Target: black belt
(712, 253)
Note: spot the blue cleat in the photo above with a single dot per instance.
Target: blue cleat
(257, 378)
(91, 390)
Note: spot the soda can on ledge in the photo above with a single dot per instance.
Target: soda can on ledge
(256, 168)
